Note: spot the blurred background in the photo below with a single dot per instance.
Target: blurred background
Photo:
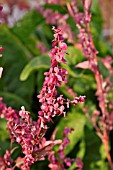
(15, 7)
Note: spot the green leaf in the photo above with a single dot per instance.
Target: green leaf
(102, 47)
(40, 165)
(3, 132)
(14, 101)
(72, 167)
(103, 70)
(74, 119)
(40, 62)
(55, 7)
(75, 56)
(24, 30)
(27, 25)
(100, 165)
(97, 20)
(40, 79)
(92, 153)
(4, 145)
(15, 57)
(82, 84)
(70, 71)
(44, 34)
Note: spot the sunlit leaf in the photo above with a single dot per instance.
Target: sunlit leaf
(40, 62)
(74, 119)
(4, 134)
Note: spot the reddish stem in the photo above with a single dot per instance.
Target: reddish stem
(102, 102)
(98, 77)
(100, 88)
(106, 146)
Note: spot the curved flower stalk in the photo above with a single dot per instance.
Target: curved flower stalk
(28, 133)
(104, 125)
(82, 21)
(51, 104)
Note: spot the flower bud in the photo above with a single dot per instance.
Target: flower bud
(63, 46)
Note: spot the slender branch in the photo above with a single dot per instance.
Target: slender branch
(90, 53)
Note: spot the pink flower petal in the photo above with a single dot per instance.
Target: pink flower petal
(84, 65)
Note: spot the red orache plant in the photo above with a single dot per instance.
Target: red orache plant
(30, 134)
(52, 106)
(104, 125)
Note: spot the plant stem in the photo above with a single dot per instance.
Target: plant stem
(106, 147)
(92, 57)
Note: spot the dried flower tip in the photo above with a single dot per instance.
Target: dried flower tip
(23, 108)
(56, 30)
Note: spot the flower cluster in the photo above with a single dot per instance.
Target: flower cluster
(6, 161)
(62, 161)
(51, 104)
(88, 48)
(55, 18)
(30, 134)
